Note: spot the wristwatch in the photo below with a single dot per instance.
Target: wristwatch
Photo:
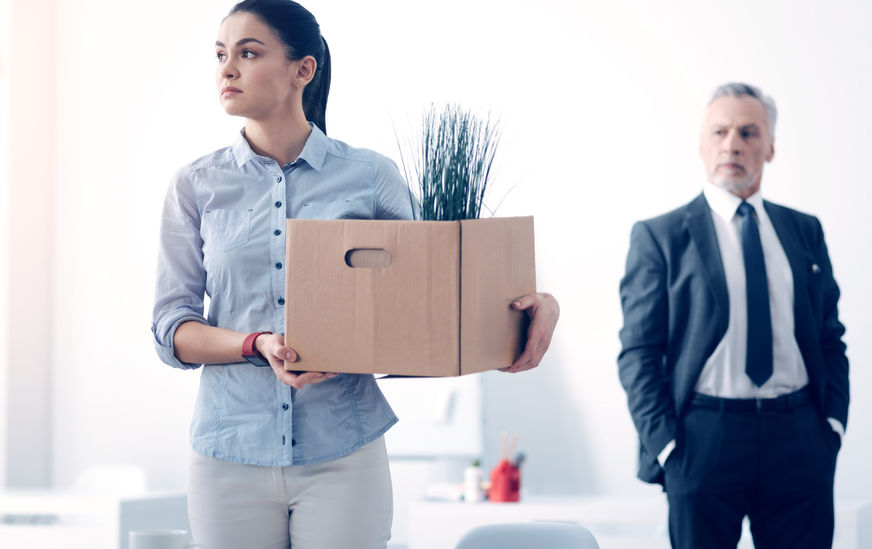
(250, 352)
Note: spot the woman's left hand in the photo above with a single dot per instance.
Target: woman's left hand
(543, 311)
(272, 347)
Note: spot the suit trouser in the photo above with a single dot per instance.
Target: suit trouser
(343, 503)
(775, 467)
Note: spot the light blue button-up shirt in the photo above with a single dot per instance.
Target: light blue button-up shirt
(223, 235)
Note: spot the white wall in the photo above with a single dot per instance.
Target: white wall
(600, 105)
(5, 173)
(136, 102)
(625, 117)
(27, 357)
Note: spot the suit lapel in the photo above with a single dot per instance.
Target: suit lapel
(806, 277)
(796, 255)
(801, 264)
(699, 224)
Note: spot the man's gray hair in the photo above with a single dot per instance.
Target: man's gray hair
(739, 89)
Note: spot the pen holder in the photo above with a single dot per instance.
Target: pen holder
(505, 482)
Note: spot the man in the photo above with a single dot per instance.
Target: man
(732, 359)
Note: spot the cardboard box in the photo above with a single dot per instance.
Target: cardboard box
(420, 298)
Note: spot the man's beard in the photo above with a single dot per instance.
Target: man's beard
(732, 184)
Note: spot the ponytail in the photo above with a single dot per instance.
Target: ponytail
(315, 94)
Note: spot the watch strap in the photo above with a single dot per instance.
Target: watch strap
(248, 348)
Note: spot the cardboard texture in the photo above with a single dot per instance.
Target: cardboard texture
(418, 298)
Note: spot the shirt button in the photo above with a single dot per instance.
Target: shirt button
(277, 232)
(278, 204)
(285, 406)
(278, 179)
(281, 301)
(278, 265)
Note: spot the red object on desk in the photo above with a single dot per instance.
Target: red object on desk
(505, 482)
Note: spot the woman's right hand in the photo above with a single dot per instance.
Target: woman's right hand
(272, 347)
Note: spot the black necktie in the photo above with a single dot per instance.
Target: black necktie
(758, 363)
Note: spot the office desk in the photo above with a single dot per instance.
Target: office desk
(616, 522)
(49, 519)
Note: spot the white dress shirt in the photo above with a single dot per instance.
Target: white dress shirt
(723, 374)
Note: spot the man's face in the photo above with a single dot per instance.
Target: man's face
(735, 143)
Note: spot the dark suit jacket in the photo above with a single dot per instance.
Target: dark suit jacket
(675, 303)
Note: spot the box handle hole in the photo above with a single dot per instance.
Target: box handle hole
(368, 258)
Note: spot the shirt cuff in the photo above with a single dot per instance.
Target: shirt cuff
(664, 454)
(837, 426)
(166, 349)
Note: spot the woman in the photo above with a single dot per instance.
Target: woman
(279, 458)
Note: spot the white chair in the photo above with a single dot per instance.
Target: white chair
(532, 535)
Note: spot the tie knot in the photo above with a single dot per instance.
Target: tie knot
(745, 209)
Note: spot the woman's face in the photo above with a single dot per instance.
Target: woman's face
(254, 77)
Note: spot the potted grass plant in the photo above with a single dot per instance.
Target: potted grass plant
(437, 302)
(449, 168)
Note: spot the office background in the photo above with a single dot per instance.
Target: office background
(600, 104)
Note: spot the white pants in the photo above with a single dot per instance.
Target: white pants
(346, 503)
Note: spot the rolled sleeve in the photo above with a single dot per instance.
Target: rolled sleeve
(181, 278)
(164, 345)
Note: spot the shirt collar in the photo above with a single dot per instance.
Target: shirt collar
(724, 203)
(242, 150)
(313, 153)
(315, 149)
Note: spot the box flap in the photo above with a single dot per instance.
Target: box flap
(497, 266)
